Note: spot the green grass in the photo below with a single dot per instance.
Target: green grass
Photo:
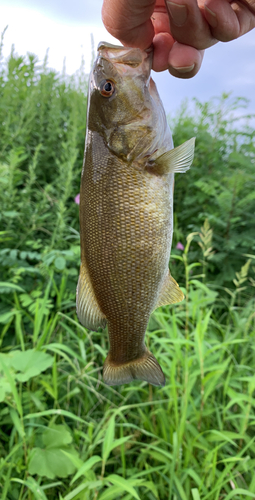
(64, 434)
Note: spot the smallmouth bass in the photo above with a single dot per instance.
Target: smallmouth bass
(126, 210)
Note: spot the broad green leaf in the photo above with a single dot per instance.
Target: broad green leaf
(56, 436)
(5, 360)
(56, 458)
(60, 263)
(125, 484)
(30, 363)
(86, 466)
(108, 439)
(51, 462)
(77, 462)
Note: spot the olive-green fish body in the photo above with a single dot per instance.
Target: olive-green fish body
(126, 211)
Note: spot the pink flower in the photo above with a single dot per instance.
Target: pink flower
(77, 199)
(179, 246)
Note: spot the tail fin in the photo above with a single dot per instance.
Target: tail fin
(144, 368)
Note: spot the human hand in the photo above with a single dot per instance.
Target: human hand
(180, 30)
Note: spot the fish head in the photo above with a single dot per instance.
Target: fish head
(124, 106)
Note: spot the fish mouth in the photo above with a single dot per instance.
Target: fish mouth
(126, 58)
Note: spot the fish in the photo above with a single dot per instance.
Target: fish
(126, 210)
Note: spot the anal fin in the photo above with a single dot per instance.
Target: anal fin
(170, 292)
(87, 308)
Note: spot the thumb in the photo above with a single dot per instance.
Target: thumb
(129, 21)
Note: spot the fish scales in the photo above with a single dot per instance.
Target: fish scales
(121, 233)
(126, 221)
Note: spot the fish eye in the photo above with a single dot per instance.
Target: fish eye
(107, 88)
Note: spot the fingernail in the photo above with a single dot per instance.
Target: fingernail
(178, 13)
(184, 69)
(211, 17)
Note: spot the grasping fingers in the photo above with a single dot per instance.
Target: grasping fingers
(180, 30)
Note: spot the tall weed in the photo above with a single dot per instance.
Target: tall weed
(220, 185)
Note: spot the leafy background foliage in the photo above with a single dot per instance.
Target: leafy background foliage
(63, 433)
(221, 184)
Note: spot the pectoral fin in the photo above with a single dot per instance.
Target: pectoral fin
(176, 160)
(170, 292)
(88, 310)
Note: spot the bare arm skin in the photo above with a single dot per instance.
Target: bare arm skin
(180, 30)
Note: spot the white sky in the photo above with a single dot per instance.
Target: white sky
(65, 28)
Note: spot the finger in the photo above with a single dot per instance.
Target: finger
(162, 44)
(160, 18)
(130, 22)
(229, 20)
(188, 25)
(184, 61)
